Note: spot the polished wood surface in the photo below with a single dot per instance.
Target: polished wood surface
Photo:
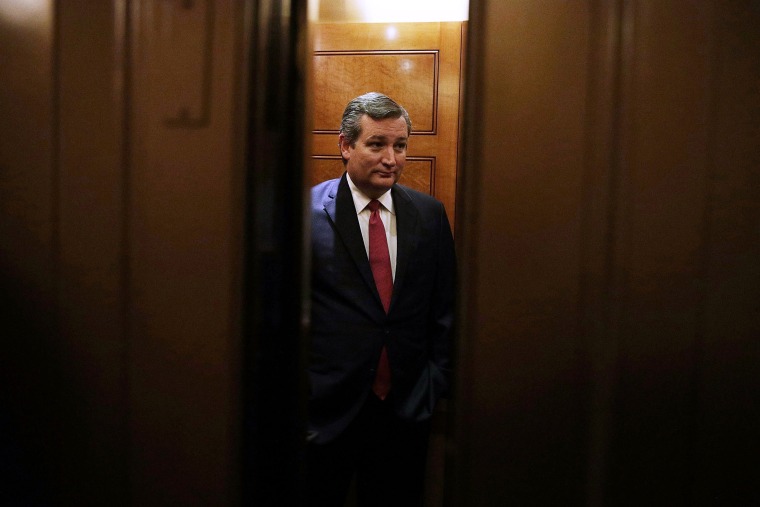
(418, 65)
(339, 77)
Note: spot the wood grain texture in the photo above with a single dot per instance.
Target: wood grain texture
(411, 78)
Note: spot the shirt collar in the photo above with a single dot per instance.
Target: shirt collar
(361, 200)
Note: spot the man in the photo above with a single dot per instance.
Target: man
(383, 282)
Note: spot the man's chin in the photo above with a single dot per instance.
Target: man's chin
(383, 185)
(384, 180)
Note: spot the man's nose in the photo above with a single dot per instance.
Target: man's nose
(389, 157)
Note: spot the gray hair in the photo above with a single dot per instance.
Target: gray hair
(375, 105)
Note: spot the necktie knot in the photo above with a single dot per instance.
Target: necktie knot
(373, 205)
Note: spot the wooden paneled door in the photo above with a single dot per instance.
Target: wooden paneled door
(418, 65)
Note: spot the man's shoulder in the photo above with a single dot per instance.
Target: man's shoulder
(322, 191)
(325, 184)
(417, 197)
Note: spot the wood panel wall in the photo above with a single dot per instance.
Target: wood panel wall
(609, 241)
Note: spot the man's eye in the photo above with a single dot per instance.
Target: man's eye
(401, 146)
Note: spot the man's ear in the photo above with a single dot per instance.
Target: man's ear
(344, 147)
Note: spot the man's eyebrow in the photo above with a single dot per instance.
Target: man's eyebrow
(381, 137)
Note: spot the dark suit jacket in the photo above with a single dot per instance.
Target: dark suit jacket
(348, 324)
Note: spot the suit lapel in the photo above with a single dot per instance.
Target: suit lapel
(406, 227)
(339, 205)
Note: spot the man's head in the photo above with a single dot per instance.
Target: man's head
(373, 137)
(375, 105)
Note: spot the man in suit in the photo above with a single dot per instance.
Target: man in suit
(383, 283)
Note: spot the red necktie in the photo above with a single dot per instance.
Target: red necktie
(380, 262)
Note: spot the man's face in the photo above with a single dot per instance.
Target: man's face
(378, 157)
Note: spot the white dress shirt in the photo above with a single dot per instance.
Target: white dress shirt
(387, 215)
